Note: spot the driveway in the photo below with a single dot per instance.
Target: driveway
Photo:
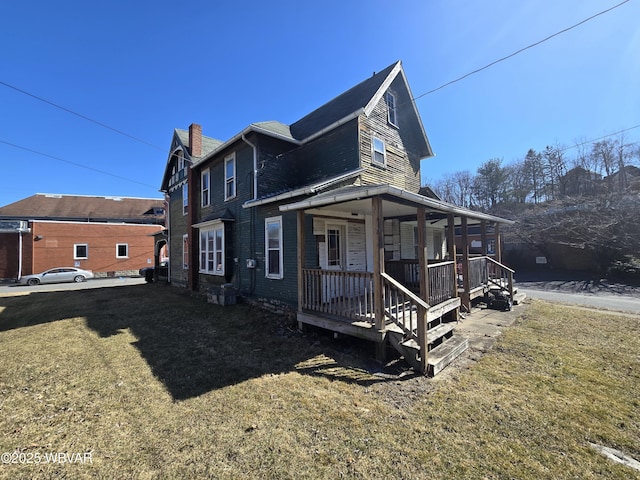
(582, 290)
(13, 289)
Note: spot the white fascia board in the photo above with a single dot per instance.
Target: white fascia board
(375, 190)
(383, 88)
(238, 137)
(342, 121)
(209, 223)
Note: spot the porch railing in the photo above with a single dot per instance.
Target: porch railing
(347, 294)
(500, 275)
(478, 274)
(402, 307)
(350, 294)
(441, 278)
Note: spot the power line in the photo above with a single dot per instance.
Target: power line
(84, 117)
(77, 164)
(600, 138)
(520, 51)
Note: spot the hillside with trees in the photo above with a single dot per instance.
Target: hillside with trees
(584, 205)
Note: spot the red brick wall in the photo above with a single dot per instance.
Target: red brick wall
(53, 245)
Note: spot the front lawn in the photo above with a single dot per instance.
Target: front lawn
(149, 382)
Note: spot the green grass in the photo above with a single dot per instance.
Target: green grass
(158, 384)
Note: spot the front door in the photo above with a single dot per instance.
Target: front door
(335, 247)
(334, 259)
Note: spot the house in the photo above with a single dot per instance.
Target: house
(111, 236)
(325, 218)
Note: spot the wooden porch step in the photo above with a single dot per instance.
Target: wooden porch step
(444, 354)
(433, 334)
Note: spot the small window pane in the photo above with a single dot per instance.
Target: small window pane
(122, 250)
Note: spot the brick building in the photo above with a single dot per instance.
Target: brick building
(111, 236)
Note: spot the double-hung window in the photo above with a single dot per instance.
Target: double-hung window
(212, 250)
(391, 109)
(230, 177)
(185, 251)
(273, 247)
(205, 184)
(379, 151)
(185, 199)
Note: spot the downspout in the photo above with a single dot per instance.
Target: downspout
(252, 229)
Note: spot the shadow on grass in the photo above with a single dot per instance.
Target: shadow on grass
(194, 347)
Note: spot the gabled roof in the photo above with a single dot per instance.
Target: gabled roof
(209, 144)
(86, 208)
(360, 99)
(350, 102)
(180, 141)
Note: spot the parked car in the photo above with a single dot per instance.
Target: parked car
(57, 275)
(148, 272)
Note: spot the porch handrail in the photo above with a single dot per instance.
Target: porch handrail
(504, 267)
(405, 291)
(506, 274)
(408, 311)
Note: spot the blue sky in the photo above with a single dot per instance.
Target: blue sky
(147, 67)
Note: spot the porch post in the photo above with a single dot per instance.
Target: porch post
(498, 244)
(451, 248)
(483, 237)
(424, 288)
(466, 295)
(301, 257)
(378, 268)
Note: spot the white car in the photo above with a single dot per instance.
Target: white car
(57, 275)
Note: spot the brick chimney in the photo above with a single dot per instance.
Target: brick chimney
(195, 140)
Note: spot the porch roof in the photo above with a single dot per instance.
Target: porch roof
(396, 202)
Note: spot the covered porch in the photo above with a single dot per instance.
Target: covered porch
(380, 263)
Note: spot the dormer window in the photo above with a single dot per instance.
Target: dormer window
(379, 152)
(391, 109)
(180, 156)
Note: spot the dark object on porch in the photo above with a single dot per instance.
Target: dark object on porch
(498, 300)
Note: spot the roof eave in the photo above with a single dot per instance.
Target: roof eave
(376, 190)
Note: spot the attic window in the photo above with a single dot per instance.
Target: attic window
(379, 151)
(391, 108)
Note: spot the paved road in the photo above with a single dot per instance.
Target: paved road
(13, 289)
(624, 303)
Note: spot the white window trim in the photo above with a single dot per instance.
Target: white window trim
(227, 159)
(373, 151)
(391, 108)
(206, 172)
(185, 199)
(75, 251)
(185, 241)
(267, 221)
(118, 245)
(204, 268)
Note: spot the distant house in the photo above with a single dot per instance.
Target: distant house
(325, 218)
(109, 235)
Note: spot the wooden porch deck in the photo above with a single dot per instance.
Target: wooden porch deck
(418, 324)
